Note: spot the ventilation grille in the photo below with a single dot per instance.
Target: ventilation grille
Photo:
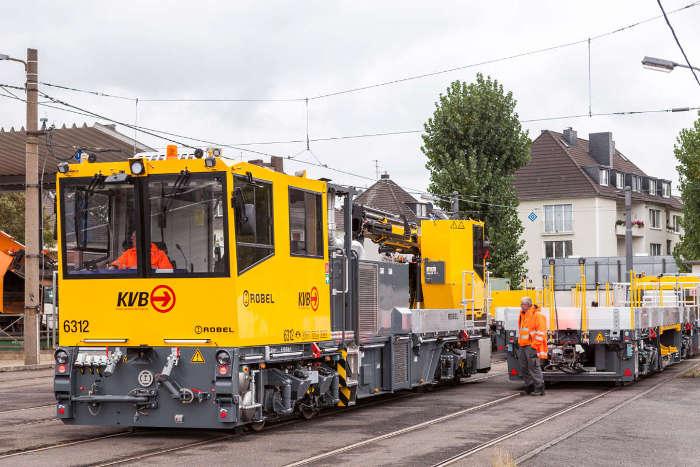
(368, 300)
(399, 376)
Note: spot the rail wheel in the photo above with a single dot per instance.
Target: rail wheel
(257, 426)
(308, 413)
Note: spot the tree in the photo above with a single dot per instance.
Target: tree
(12, 218)
(687, 151)
(474, 144)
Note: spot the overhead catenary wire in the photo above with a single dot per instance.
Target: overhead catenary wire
(393, 81)
(463, 198)
(678, 42)
(150, 131)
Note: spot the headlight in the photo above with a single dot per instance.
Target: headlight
(61, 356)
(63, 167)
(136, 166)
(209, 162)
(223, 357)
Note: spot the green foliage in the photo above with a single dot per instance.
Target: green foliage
(687, 151)
(12, 218)
(474, 144)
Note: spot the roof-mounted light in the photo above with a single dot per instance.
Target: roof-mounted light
(214, 152)
(63, 167)
(209, 161)
(171, 151)
(136, 166)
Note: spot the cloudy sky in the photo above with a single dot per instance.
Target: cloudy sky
(298, 49)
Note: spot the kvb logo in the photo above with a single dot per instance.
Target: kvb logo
(161, 299)
(309, 299)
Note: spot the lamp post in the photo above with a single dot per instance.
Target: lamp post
(660, 64)
(32, 292)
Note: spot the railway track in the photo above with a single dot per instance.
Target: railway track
(218, 437)
(462, 456)
(227, 437)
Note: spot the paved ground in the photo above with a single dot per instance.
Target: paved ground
(658, 427)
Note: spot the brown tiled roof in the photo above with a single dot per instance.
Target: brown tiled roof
(581, 156)
(386, 195)
(65, 142)
(556, 170)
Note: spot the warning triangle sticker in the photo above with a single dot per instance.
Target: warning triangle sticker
(197, 357)
(599, 337)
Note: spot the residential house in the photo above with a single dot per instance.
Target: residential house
(571, 202)
(389, 197)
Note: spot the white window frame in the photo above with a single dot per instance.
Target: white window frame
(676, 223)
(604, 177)
(652, 187)
(555, 218)
(666, 189)
(652, 217)
(561, 246)
(636, 183)
(655, 249)
(620, 180)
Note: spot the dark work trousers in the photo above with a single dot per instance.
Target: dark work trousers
(530, 367)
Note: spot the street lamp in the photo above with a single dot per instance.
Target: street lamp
(11, 59)
(659, 64)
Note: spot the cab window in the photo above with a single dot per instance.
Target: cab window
(99, 227)
(252, 204)
(186, 224)
(305, 223)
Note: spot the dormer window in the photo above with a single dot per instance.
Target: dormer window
(636, 183)
(652, 187)
(620, 180)
(666, 189)
(603, 177)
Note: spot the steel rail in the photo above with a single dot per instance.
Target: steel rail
(464, 454)
(529, 455)
(402, 431)
(467, 453)
(368, 404)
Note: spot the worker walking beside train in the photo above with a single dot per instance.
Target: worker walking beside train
(532, 346)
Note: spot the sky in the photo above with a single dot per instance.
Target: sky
(300, 49)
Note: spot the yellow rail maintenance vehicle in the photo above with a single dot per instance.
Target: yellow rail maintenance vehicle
(196, 293)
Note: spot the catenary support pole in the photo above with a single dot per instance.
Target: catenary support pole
(32, 294)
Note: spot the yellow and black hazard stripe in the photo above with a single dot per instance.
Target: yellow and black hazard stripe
(344, 392)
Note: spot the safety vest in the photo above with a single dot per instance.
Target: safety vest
(128, 260)
(533, 331)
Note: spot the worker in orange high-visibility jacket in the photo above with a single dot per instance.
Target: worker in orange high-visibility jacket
(532, 346)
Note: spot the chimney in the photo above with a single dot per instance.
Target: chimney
(570, 136)
(601, 147)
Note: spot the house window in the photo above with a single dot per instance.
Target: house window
(669, 250)
(652, 187)
(655, 249)
(655, 218)
(558, 249)
(636, 183)
(666, 189)
(677, 224)
(620, 180)
(604, 177)
(558, 218)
